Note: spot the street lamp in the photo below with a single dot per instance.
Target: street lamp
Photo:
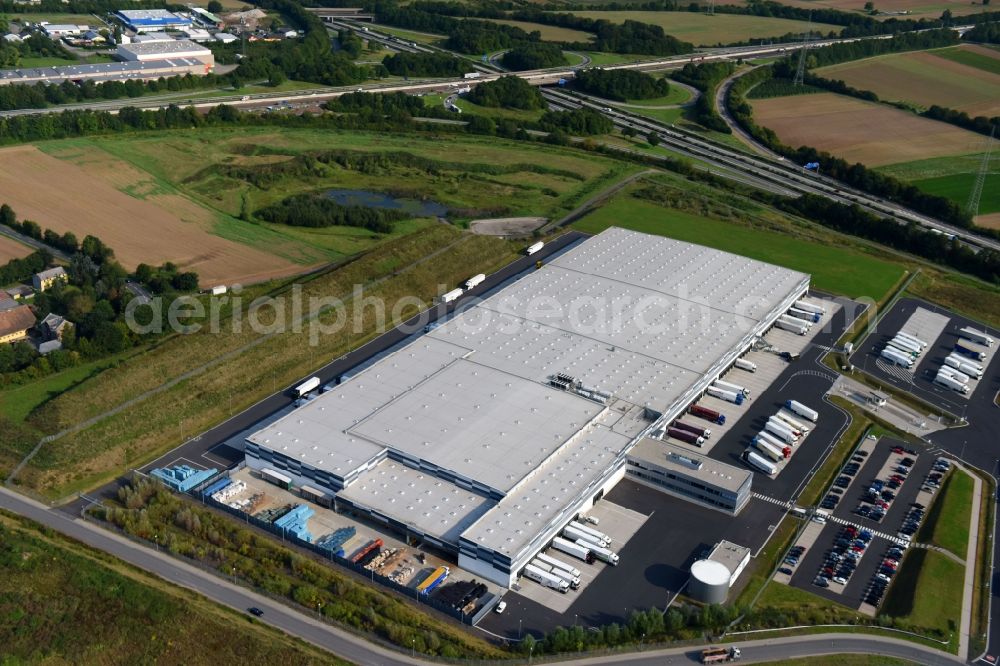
(156, 539)
(519, 628)
(413, 647)
(641, 641)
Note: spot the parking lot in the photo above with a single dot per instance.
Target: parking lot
(919, 380)
(836, 552)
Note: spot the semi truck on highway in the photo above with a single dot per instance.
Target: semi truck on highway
(760, 463)
(798, 408)
(570, 548)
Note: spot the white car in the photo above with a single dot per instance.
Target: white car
(841, 580)
(501, 607)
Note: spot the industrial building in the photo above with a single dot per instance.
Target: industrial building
(175, 48)
(150, 20)
(488, 434)
(106, 71)
(712, 576)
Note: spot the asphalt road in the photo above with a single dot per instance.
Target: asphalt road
(359, 651)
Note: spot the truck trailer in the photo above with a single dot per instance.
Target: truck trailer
(719, 655)
(948, 382)
(558, 564)
(957, 375)
(735, 388)
(794, 423)
(908, 345)
(770, 451)
(545, 578)
(576, 535)
(798, 329)
(586, 529)
(781, 423)
(722, 394)
(437, 577)
(475, 281)
(570, 548)
(896, 357)
(605, 555)
(809, 307)
(901, 350)
(971, 349)
(912, 338)
(698, 430)
(770, 439)
(450, 296)
(760, 463)
(963, 365)
(535, 247)
(708, 414)
(979, 337)
(686, 436)
(781, 433)
(811, 317)
(794, 321)
(307, 386)
(798, 408)
(744, 364)
(574, 581)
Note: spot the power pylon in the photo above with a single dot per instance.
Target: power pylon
(800, 73)
(977, 188)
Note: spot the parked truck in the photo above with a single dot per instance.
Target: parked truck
(979, 337)
(437, 577)
(798, 408)
(698, 430)
(794, 321)
(576, 535)
(963, 365)
(794, 423)
(770, 451)
(708, 414)
(744, 364)
(570, 548)
(605, 555)
(912, 338)
(545, 578)
(798, 329)
(781, 423)
(901, 350)
(908, 345)
(971, 349)
(471, 75)
(587, 529)
(307, 386)
(722, 394)
(760, 463)
(896, 357)
(781, 433)
(719, 655)
(535, 247)
(811, 317)
(735, 388)
(686, 436)
(948, 382)
(558, 564)
(957, 375)
(809, 307)
(574, 581)
(770, 439)
(475, 281)
(450, 296)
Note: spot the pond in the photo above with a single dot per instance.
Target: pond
(382, 200)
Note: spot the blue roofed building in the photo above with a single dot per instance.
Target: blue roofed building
(151, 20)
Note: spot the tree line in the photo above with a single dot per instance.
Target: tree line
(35, 45)
(21, 270)
(706, 77)
(312, 210)
(988, 33)
(534, 55)
(426, 64)
(509, 92)
(620, 85)
(576, 122)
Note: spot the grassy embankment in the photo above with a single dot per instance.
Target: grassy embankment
(65, 603)
(947, 523)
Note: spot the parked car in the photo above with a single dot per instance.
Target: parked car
(840, 579)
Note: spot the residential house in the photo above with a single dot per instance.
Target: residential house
(14, 323)
(46, 279)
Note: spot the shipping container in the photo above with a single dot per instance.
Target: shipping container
(436, 578)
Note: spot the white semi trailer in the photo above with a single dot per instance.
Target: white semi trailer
(546, 579)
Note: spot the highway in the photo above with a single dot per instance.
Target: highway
(356, 649)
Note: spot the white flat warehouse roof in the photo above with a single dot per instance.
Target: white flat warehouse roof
(640, 317)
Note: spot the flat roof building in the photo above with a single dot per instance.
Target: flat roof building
(175, 48)
(519, 412)
(148, 20)
(106, 71)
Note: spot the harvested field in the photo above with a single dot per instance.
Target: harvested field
(926, 78)
(11, 249)
(892, 8)
(507, 226)
(858, 131)
(550, 33)
(150, 227)
(991, 221)
(710, 30)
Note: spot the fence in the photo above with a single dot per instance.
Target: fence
(289, 536)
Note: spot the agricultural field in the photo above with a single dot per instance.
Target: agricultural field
(11, 249)
(64, 603)
(887, 9)
(958, 78)
(550, 33)
(96, 194)
(712, 30)
(858, 131)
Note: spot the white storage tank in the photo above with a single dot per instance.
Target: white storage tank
(709, 582)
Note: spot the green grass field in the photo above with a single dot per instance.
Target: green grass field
(27, 63)
(947, 523)
(952, 177)
(927, 592)
(984, 61)
(829, 265)
(711, 30)
(550, 33)
(408, 35)
(64, 603)
(957, 187)
(677, 95)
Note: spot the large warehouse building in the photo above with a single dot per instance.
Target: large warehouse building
(487, 435)
(174, 48)
(149, 20)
